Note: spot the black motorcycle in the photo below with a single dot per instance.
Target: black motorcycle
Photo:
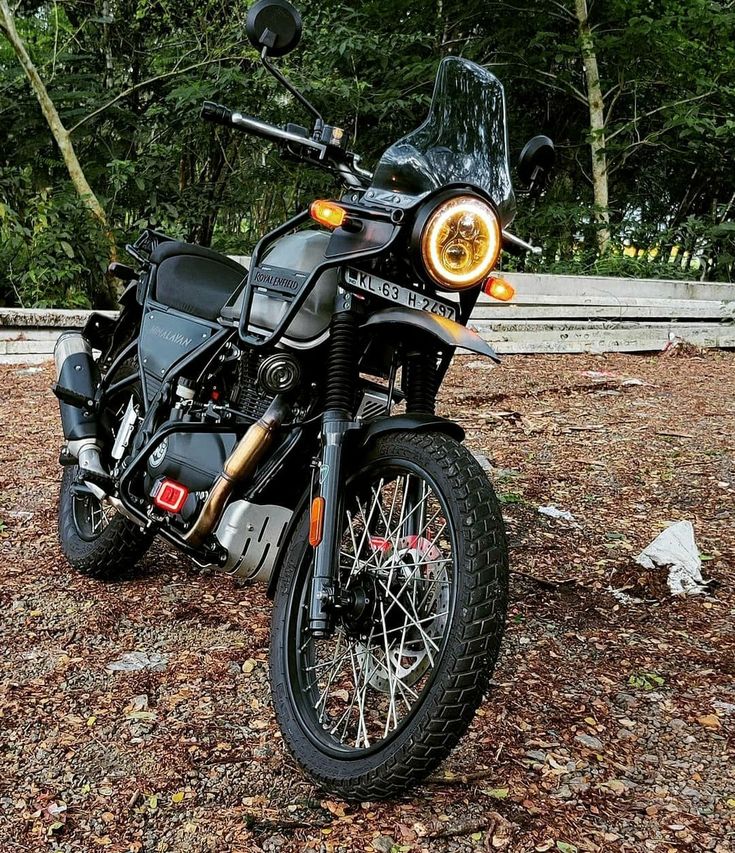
(278, 422)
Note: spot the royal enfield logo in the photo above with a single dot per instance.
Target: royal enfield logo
(168, 335)
(277, 279)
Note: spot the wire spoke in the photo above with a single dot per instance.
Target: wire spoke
(395, 575)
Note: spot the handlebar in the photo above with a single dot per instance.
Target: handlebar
(343, 163)
(219, 114)
(216, 113)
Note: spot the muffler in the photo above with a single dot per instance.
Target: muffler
(239, 465)
(75, 385)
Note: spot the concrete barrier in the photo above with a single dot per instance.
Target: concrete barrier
(550, 313)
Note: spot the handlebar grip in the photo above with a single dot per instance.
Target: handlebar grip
(216, 113)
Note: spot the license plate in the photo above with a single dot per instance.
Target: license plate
(398, 294)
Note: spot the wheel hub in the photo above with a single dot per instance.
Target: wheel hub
(382, 599)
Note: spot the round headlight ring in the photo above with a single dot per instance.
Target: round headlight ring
(460, 242)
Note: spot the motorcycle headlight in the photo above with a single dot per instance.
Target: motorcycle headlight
(460, 242)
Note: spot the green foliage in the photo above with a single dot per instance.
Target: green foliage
(129, 84)
(646, 681)
(52, 252)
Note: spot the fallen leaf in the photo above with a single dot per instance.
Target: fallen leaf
(709, 721)
(498, 793)
(333, 808)
(615, 785)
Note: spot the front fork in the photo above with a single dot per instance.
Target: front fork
(421, 382)
(326, 554)
(341, 384)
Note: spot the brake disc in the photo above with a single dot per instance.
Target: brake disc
(411, 568)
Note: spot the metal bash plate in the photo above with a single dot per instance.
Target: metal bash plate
(252, 534)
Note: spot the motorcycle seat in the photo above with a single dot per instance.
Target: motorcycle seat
(193, 279)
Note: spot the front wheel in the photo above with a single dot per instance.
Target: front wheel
(422, 580)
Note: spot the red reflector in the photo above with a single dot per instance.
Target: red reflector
(171, 496)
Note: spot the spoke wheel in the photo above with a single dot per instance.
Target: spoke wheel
(397, 578)
(417, 621)
(90, 515)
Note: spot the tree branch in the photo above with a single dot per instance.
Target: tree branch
(144, 83)
(650, 113)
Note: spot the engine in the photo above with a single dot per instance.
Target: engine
(191, 473)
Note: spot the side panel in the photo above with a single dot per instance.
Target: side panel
(166, 337)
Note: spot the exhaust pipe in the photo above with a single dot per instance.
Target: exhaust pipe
(240, 464)
(75, 385)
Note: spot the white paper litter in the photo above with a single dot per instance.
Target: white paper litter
(484, 462)
(676, 550)
(554, 512)
(623, 597)
(134, 661)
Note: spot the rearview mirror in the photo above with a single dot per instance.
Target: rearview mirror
(536, 160)
(273, 25)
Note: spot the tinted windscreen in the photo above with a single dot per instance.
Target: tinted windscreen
(463, 140)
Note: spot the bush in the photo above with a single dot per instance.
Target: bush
(53, 252)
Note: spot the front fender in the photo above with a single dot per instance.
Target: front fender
(447, 331)
(409, 422)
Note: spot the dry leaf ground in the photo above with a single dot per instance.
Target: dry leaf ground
(608, 727)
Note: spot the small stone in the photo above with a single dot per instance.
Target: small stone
(564, 793)
(690, 793)
(590, 742)
(579, 784)
(382, 844)
(537, 755)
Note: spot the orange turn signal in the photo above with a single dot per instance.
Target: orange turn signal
(327, 213)
(316, 522)
(499, 288)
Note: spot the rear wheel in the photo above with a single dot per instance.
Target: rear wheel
(95, 539)
(421, 606)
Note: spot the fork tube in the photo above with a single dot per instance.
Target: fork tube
(336, 421)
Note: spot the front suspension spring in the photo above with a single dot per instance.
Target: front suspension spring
(419, 382)
(342, 364)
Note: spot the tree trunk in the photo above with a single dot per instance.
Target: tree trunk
(597, 126)
(59, 132)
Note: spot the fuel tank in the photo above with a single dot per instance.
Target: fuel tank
(301, 252)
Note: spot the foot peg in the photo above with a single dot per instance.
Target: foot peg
(72, 398)
(98, 478)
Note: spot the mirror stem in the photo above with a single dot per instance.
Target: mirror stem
(291, 88)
